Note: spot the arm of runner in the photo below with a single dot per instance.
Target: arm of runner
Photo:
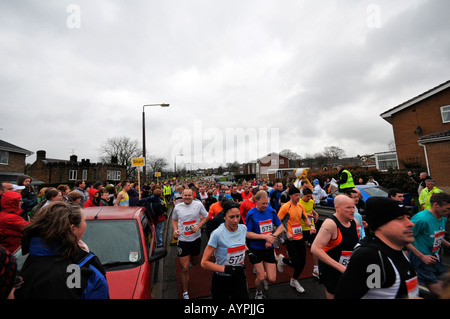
(176, 231)
(118, 199)
(278, 231)
(327, 231)
(316, 215)
(426, 259)
(266, 237)
(206, 262)
(196, 227)
(311, 226)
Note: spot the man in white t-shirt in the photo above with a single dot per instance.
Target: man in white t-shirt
(187, 219)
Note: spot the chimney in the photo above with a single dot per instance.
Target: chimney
(41, 155)
(114, 160)
(73, 158)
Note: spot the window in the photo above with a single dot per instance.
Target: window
(73, 175)
(4, 157)
(386, 161)
(85, 173)
(445, 112)
(116, 242)
(113, 175)
(281, 161)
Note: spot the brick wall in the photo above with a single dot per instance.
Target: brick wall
(439, 153)
(427, 115)
(58, 172)
(16, 163)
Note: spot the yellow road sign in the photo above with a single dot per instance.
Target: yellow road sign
(139, 161)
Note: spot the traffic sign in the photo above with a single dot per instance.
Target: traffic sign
(139, 161)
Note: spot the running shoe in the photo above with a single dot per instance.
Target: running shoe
(280, 263)
(295, 284)
(259, 295)
(316, 273)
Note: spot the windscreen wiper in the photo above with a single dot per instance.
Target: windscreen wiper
(118, 263)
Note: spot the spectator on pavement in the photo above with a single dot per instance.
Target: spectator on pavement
(345, 180)
(52, 240)
(423, 176)
(79, 187)
(425, 195)
(396, 194)
(29, 199)
(9, 280)
(11, 222)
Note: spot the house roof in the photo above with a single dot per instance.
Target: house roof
(435, 137)
(273, 154)
(388, 114)
(5, 146)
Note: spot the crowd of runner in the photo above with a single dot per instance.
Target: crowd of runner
(383, 255)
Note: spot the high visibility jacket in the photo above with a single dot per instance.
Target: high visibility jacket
(349, 183)
(425, 195)
(167, 190)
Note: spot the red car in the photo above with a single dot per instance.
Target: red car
(124, 240)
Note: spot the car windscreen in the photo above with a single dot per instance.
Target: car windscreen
(376, 191)
(115, 242)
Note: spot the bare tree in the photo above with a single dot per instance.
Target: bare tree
(233, 167)
(157, 164)
(294, 158)
(290, 154)
(334, 152)
(123, 149)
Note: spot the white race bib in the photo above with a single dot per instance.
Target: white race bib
(265, 227)
(235, 256)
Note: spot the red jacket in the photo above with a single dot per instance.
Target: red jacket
(93, 201)
(245, 208)
(11, 223)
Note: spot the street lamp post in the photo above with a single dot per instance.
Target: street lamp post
(175, 163)
(143, 137)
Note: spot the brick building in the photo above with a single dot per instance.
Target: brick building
(272, 166)
(56, 171)
(421, 128)
(12, 161)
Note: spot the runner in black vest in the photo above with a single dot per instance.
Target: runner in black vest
(335, 242)
(379, 268)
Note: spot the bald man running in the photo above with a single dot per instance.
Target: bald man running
(335, 242)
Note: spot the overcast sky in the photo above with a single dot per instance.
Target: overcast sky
(243, 78)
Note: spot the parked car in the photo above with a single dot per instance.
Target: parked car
(124, 240)
(368, 191)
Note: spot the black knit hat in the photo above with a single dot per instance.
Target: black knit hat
(8, 272)
(381, 210)
(229, 204)
(293, 190)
